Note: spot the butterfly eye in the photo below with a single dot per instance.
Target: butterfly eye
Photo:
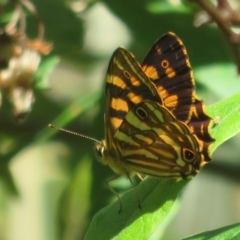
(188, 155)
(141, 113)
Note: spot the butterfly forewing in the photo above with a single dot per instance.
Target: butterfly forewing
(151, 141)
(127, 85)
(167, 65)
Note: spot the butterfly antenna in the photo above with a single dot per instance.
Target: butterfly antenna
(74, 133)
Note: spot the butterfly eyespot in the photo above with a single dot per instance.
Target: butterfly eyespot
(165, 64)
(141, 113)
(127, 74)
(188, 155)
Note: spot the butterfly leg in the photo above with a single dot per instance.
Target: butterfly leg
(113, 191)
(136, 192)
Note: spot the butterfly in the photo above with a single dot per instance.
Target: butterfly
(154, 122)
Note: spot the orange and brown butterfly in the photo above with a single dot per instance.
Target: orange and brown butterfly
(154, 123)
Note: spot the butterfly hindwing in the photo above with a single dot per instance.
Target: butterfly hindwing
(200, 124)
(151, 141)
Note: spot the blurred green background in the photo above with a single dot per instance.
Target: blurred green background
(51, 185)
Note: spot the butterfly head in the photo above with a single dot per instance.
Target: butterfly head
(99, 148)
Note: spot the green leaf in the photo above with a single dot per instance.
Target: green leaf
(230, 232)
(157, 197)
(229, 112)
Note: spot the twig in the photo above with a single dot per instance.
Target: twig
(225, 17)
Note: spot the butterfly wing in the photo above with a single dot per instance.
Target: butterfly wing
(151, 141)
(168, 67)
(200, 124)
(126, 86)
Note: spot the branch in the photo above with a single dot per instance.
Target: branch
(225, 17)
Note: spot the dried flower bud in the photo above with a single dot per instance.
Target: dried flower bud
(22, 100)
(17, 81)
(40, 46)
